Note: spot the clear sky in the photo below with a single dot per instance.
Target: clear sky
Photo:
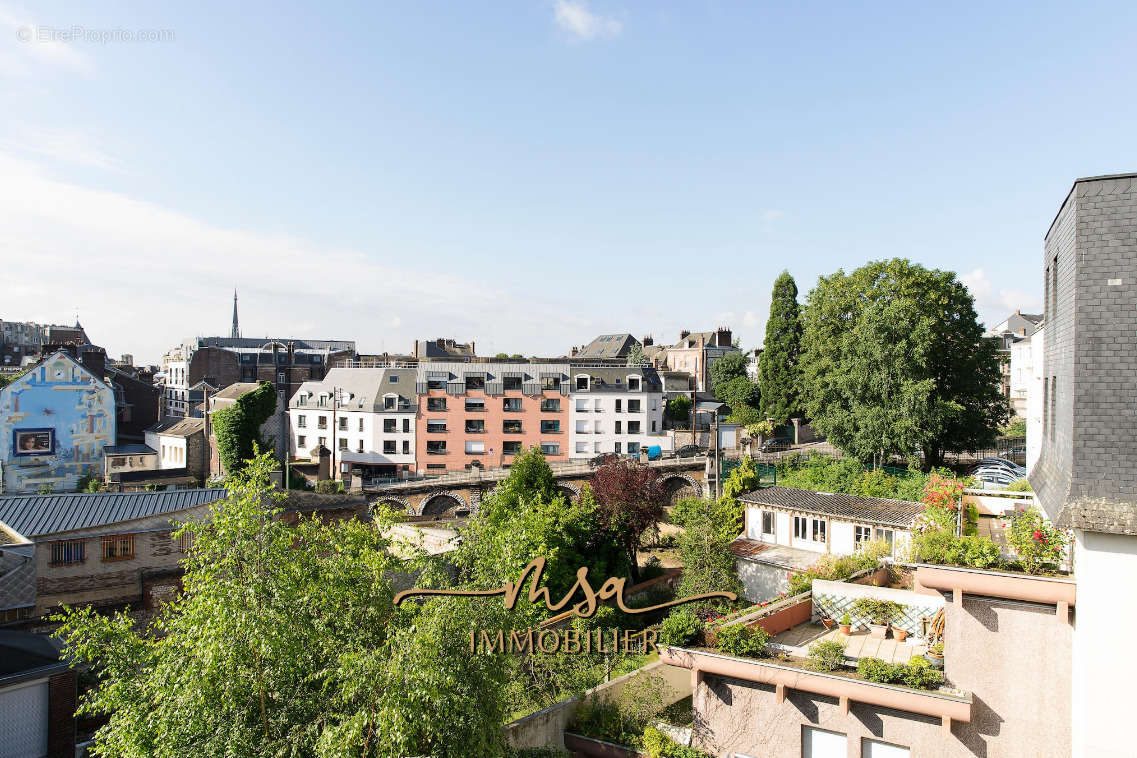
(529, 174)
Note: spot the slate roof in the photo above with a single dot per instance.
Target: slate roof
(608, 346)
(235, 390)
(43, 515)
(363, 389)
(129, 450)
(872, 510)
(23, 653)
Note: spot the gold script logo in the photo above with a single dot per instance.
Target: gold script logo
(612, 588)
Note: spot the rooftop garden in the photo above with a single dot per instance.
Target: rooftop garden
(851, 477)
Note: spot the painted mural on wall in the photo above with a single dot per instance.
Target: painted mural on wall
(54, 423)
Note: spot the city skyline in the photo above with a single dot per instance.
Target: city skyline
(426, 181)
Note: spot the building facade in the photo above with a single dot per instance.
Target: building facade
(1086, 475)
(481, 415)
(55, 421)
(366, 416)
(696, 351)
(615, 410)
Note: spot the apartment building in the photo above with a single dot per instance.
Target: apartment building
(219, 361)
(483, 414)
(615, 410)
(696, 351)
(1086, 475)
(365, 416)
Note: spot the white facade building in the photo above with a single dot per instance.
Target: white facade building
(175, 365)
(824, 522)
(1027, 376)
(366, 416)
(615, 409)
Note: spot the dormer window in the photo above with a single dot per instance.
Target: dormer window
(582, 382)
(633, 384)
(389, 402)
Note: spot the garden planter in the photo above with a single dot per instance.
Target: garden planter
(828, 622)
(878, 631)
(846, 629)
(936, 660)
(900, 634)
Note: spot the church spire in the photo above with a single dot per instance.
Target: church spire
(236, 332)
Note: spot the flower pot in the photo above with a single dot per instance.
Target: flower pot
(828, 622)
(878, 631)
(846, 629)
(935, 659)
(900, 634)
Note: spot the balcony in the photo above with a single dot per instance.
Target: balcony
(1060, 592)
(946, 706)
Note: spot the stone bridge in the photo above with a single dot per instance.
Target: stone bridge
(459, 493)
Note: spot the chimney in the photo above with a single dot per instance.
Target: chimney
(94, 359)
(1018, 312)
(684, 333)
(472, 350)
(573, 352)
(723, 336)
(647, 341)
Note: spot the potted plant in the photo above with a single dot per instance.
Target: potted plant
(827, 620)
(899, 633)
(878, 612)
(846, 624)
(935, 655)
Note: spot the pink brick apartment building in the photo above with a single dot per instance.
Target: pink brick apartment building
(483, 414)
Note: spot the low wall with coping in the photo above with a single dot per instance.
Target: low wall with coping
(546, 727)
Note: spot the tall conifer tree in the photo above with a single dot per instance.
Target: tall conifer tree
(779, 374)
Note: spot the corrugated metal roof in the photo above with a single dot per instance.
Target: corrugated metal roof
(40, 515)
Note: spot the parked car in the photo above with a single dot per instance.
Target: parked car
(690, 451)
(775, 445)
(1000, 463)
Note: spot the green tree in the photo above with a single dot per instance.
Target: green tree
(779, 372)
(704, 547)
(730, 366)
(6, 379)
(238, 427)
(743, 397)
(285, 641)
(636, 355)
(894, 361)
(679, 408)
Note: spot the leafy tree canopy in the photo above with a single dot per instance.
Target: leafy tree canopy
(730, 366)
(894, 361)
(636, 355)
(631, 503)
(286, 642)
(779, 373)
(679, 408)
(742, 396)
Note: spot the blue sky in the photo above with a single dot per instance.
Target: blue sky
(529, 174)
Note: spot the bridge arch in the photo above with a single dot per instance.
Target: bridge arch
(444, 503)
(678, 486)
(396, 502)
(569, 490)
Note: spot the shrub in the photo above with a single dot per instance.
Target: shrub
(838, 567)
(939, 546)
(680, 628)
(920, 674)
(875, 610)
(1039, 544)
(329, 487)
(917, 673)
(658, 745)
(652, 569)
(1021, 485)
(597, 717)
(742, 641)
(877, 670)
(977, 552)
(827, 655)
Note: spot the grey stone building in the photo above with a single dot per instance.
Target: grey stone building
(1086, 474)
